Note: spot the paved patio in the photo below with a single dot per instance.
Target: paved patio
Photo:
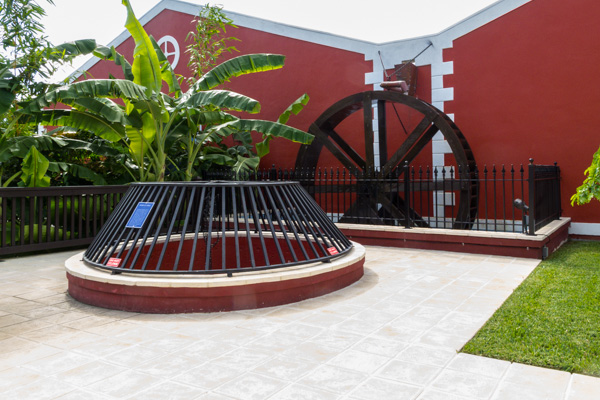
(393, 335)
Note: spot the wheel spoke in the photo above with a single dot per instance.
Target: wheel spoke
(358, 160)
(415, 141)
(361, 212)
(347, 162)
(420, 145)
(389, 206)
(415, 218)
(369, 206)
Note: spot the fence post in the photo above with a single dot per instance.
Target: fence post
(532, 194)
(406, 196)
(557, 189)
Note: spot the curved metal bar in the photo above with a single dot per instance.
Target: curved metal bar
(189, 221)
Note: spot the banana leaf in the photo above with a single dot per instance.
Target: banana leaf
(78, 171)
(294, 108)
(166, 71)
(107, 108)
(141, 139)
(266, 128)
(34, 168)
(146, 67)
(110, 53)
(244, 165)
(81, 120)
(69, 50)
(237, 66)
(220, 98)
(91, 88)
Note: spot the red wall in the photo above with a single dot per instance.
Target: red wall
(526, 85)
(325, 73)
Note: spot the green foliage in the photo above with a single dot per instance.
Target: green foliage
(551, 319)
(294, 108)
(24, 48)
(74, 161)
(34, 220)
(27, 61)
(209, 40)
(35, 166)
(145, 67)
(590, 188)
(175, 133)
(35, 230)
(237, 66)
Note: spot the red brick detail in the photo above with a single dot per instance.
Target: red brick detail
(525, 248)
(585, 237)
(448, 80)
(449, 107)
(151, 299)
(448, 54)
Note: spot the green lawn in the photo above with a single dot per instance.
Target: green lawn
(553, 319)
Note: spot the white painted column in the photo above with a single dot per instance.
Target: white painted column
(440, 147)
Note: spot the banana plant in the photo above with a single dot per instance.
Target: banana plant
(135, 110)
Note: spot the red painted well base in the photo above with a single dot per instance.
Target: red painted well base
(157, 299)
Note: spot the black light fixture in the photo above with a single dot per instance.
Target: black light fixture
(520, 204)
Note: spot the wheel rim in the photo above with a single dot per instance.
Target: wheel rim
(429, 121)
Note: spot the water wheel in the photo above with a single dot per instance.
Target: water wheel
(357, 154)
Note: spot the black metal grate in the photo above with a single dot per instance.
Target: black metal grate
(215, 227)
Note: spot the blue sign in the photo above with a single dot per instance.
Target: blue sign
(139, 215)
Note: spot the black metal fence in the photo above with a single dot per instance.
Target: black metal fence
(544, 192)
(439, 197)
(35, 219)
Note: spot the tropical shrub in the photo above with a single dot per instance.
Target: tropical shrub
(134, 111)
(27, 61)
(590, 188)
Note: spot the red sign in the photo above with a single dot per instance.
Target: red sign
(113, 262)
(332, 251)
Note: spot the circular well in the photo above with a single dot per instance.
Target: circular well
(211, 293)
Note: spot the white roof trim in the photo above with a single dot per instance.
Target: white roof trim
(294, 32)
(393, 52)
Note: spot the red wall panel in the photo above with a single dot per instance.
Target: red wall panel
(326, 73)
(526, 85)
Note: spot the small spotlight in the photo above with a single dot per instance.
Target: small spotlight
(518, 203)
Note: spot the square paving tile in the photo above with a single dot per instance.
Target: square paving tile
(45, 388)
(297, 392)
(359, 361)
(583, 388)
(394, 334)
(465, 384)
(377, 389)
(334, 379)
(124, 384)
(411, 373)
(251, 386)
